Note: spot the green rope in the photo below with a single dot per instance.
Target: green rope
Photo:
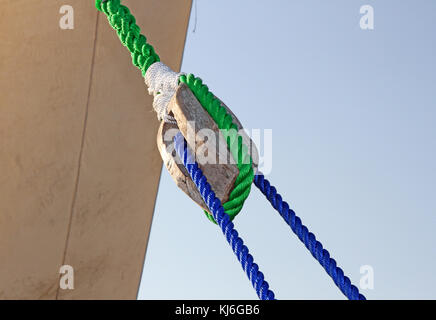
(239, 151)
(124, 23)
(143, 56)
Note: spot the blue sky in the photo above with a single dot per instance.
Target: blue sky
(353, 116)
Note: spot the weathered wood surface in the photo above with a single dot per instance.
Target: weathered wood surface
(218, 165)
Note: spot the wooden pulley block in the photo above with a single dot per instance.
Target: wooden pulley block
(206, 141)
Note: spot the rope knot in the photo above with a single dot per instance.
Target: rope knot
(162, 83)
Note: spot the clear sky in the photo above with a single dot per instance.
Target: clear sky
(353, 116)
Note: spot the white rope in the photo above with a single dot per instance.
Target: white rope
(162, 83)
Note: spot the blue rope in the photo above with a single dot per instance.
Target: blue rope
(308, 238)
(241, 251)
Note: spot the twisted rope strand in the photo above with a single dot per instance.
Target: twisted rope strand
(143, 56)
(223, 220)
(238, 149)
(124, 23)
(308, 238)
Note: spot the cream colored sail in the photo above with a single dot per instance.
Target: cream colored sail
(79, 166)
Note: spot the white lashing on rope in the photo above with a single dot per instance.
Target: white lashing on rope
(162, 83)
